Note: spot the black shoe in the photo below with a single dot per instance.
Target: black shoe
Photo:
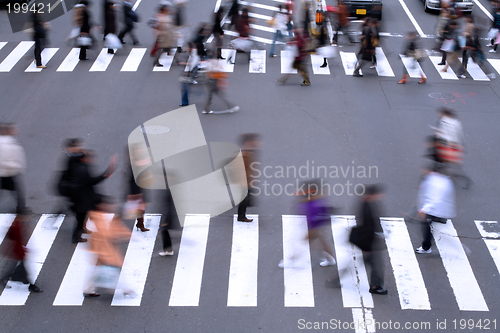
(91, 295)
(34, 288)
(183, 104)
(442, 63)
(357, 75)
(111, 52)
(324, 65)
(122, 41)
(137, 43)
(378, 291)
(80, 240)
(245, 220)
(158, 65)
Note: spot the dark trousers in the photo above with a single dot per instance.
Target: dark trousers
(14, 184)
(426, 230)
(83, 53)
(16, 271)
(375, 261)
(128, 30)
(242, 207)
(165, 236)
(80, 222)
(184, 93)
(38, 51)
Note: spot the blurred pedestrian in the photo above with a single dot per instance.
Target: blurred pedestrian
(436, 202)
(279, 23)
(342, 23)
(179, 22)
(250, 143)
(323, 40)
(187, 78)
(216, 84)
(299, 62)
(129, 18)
(234, 13)
(368, 236)
(243, 24)
(39, 35)
(85, 40)
(77, 23)
(200, 38)
(414, 51)
(368, 44)
(165, 39)
(104, 245)
(12, 163)
(442, 23)
(495, 40)
(451, 45)
(110, 22)
(167, 221)
(218, 32)
(15, 268)
(85, 196)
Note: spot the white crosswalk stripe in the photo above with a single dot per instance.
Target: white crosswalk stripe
(133, 60)
(186, 285)
(287, 59)
(316, 62)
(463, 282)
(412, 67)
(102, 62)
(495, 63)
(46, 55)
(349, 62)
(297, 269)
(16, 55)
(166, 60)
(383, 67)
(242, 289)
(69, 63)
(448, 75)
(475, 71)
(243, 269)
(2, 44)
(257, 61)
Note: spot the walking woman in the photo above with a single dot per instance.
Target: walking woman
(413, 50)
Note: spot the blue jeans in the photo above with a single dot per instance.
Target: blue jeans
(276, 35)
(184, 92)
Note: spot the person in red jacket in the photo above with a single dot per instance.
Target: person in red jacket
(15, 270)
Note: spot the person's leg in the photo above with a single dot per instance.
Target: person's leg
(83, 53)
(377, 269)
(166, 240)
(38, 51)
(20, 193)
(273, 45)
(209, 85)
(157, 59)
(78, 231)
(303, 71)
(184, 92)
(242, 208)
(361, 62)
(426, 231)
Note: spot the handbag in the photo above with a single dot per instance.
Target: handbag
(461, 41)
(112, 42)
(106, 276)
(492, 34)
(83, 40)
(358, 237)
(326, 51)
(448, 45)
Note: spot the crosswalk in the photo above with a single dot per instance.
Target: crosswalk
(130, 61)
(243, 285)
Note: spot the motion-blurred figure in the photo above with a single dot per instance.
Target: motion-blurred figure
(279, 22)
(250, 143)
(436, 202)
(85, 196)
(414, 50)
(168, 219)
(299, 62)
(215, 84)
(342, 23)
(368, 44)
(234, 13)
(104, 245)
(243, 24)
(110, 22)
(15, 269)
(85, 22)
(496, 25)
(368, 236)
(442, 23)
(451, 45)
(12, 163)
(165, 39)
(39, 35)
(129, 18)
(218, 33)
(137, 195)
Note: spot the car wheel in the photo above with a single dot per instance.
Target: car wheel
(426, 8)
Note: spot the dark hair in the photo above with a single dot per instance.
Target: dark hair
(374, 189)
(248, 137)
(448, 112)
(73, 142)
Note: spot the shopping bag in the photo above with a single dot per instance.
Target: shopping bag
(242, 44)
(112, 42)
(83, 40)
(461, 41)
(326, 51)
(448, 45)
(106, 276)
(492, 34)
(131, 209)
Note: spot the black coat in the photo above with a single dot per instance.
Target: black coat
(85, 28)
(369, 220)
(110, 23)
(130, 15)
(84, 198)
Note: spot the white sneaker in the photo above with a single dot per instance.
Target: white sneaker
(421, 250)
(493, 51)
(326, 263)
(166, 253)
(207, 112)
(235, 109)
(281, 264)
(489, 45)
(462, 76)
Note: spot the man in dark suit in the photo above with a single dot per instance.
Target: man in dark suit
(129, 18)
(84, 196)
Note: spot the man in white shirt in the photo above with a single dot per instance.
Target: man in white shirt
(436, 203)
(12, 163)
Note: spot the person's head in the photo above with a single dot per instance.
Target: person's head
(8, 129)
(88, 157)
(373, 192)
(74, 145)
(250, 140)
(244, 12)
(446, 112)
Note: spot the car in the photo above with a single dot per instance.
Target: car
(462, 5)
(364, 8)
